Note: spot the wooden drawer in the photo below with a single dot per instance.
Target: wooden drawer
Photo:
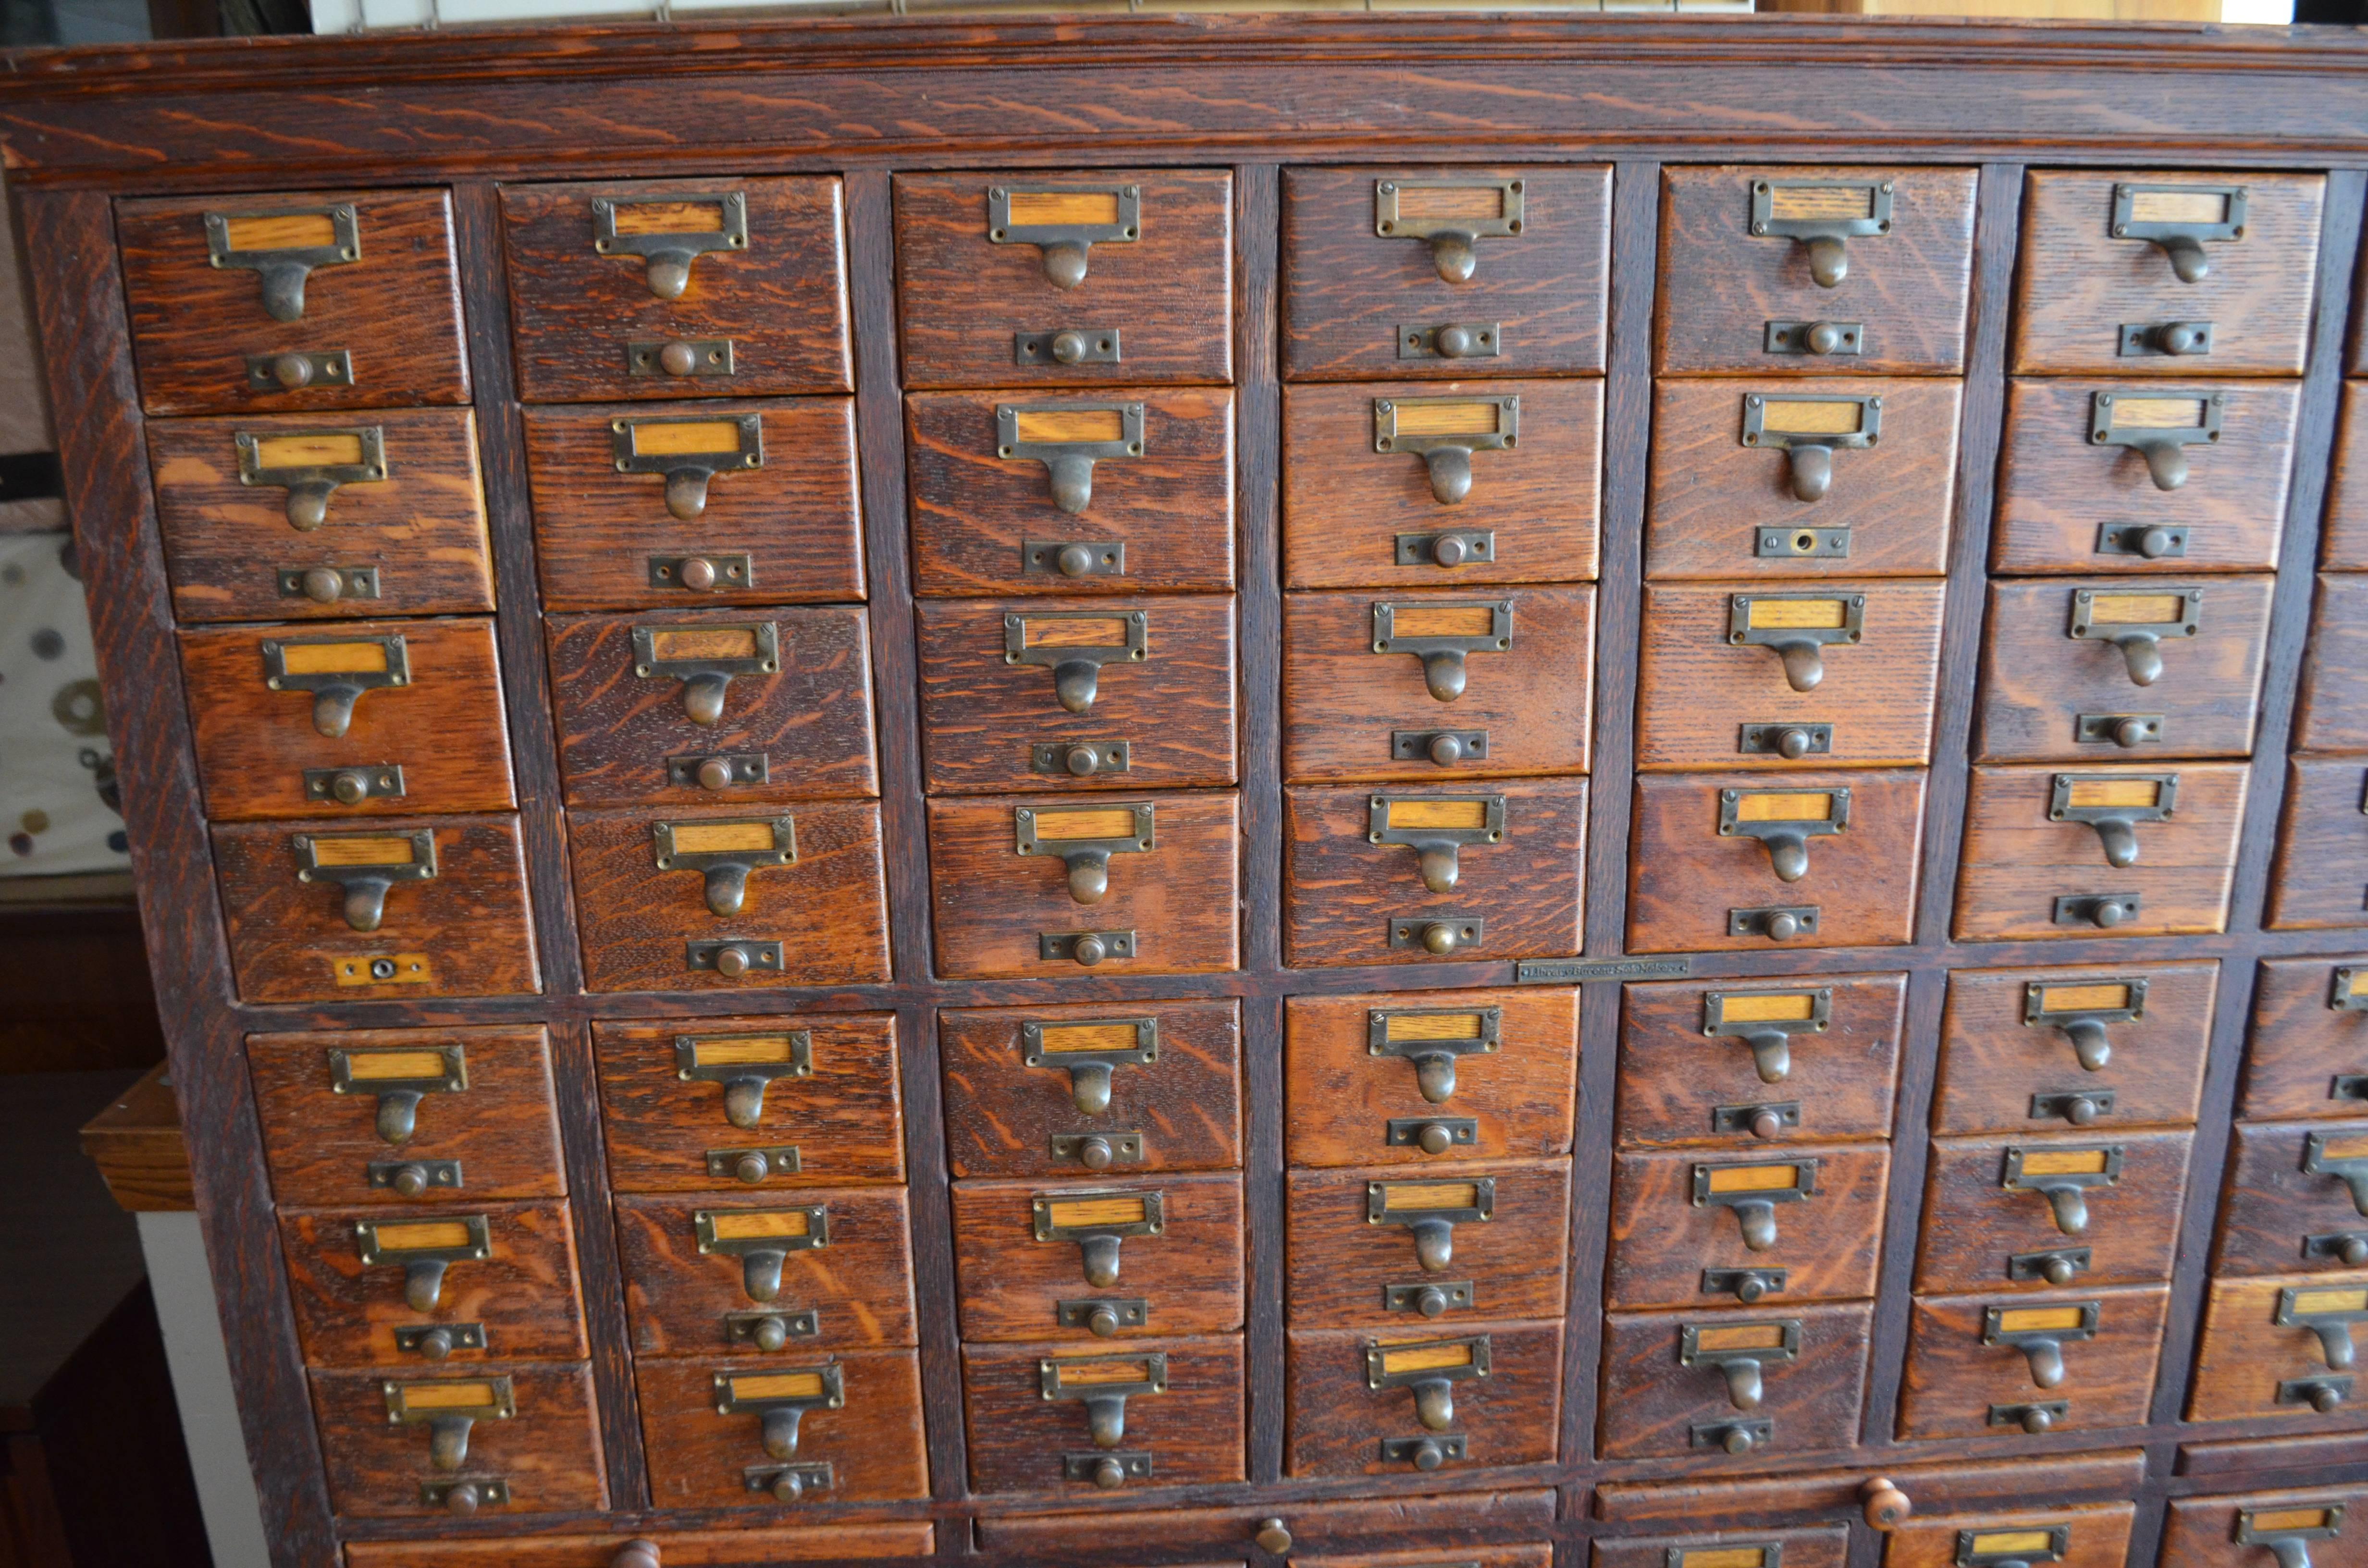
(1376, 262)
(1515, 668)
(1361, 1405)
(1901, 239)
(822, 919)
(2332, 715)
(2084, 283)
(1132, 694)
(796, 1430)
(1704, 1062)
(780, 699)
(1169, 910)
(458, 930)
(2091, 468)
(782, 1101)
(1409, 1523)
(1031, 1430)
(1726, 672)
(2257, 1358)
(345, 1112)
(410, 541)
(2057, 677)
(1979, 1366)
(1028, 1089)
(2028, 872)
(1727, 499)
(1036, 1261)
(374, 718)
(627, 502)
(2308, 1050)
(1692, 886)
(677, 1547)
(598, 290)
(1366, 1245)
(1402, 875)
(829, 1268)
(1987, 1491)
(1759, 1549)
(1370, 1077)
(379, 330)
(1420, 485)
(2004, 1213)
(1140, 480)
(1141, 257)
(2024, 1049)
(2091, 1538)
(1816, 1213)
(2322, 865)
(1736, 1381)
(530, 1428)
(372, 1289)
(2344, 547)
(2206, 1533)
(2297, 1198)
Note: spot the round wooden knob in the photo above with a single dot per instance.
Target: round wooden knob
(1095, 1153)
(1082, 761)
(1104, 1321)
(1068, 348)
(752, 1167)
(1090, 951)
(699, 572)
(714, 774)
(636, 1554)
(1784, 926)
(1109, 1476)
(321, 586)
(1765, 1123)
(1434, 1139)
(349, 787)
(770, 1334)
(1273, 1536)
(462, 1500)
(677, 358)
(1075, 560)
(292, 370)
(1886, 1505)
(410, 1180)
(1438, 936)
(1446, 750)
(732, 962)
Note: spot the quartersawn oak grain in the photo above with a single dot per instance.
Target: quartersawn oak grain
(1673, 1077)
(1992, 1063)
(548, 1451)
(2097, 1537)
(1796, 1549)
(1340, 1263)
(2199, 1529)
(1652, 1402)
(1983, 1487)
(1973, 1223)
(1017, 1437)
(1953, 1381)
(2332, 712)
(683, 1548)
(1337, 1423)
(1188, 1276)
(2300, 1044)
(1407, 1522)
(2245, 1355)
(2321, 874)
(2269, 1203)
(701, 1459)
(2344, 546)
(1661, 1241)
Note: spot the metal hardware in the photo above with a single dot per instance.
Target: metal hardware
(2140, 642)
(1770, 1553)
(1436, 847)
(1104, 1397)
(2079, 1107)
(2084, 1023)
(1072, 557)
(1840, 339)
(732, 956)
(282, 269)
(1826, 235)
(754, 1165)
(1068, 463)
(1791, 742)
(770, 1331)
(394, 1078)
(2322, 1394)
(687, 473)
(2344, 995)
(1442, 655)
(2349, 1248)
(1758, 1120)
(1744, 1189)
(1445, 748)
(1077, 1216)
(698, 657)
(2127, 731)
(1434, 1055)
(1068, 236)
(311, 484)
(1447, 455)
(1097, 1150)
(2181, 238)
(1103, 1318)
(1437, 935)
(1454, 240)
(337, 677)
(1431, 1382)
(2040, 1333)
(1451, 340)
(680, 356)
(2102, 910)
(1802, 544)
(2067, 1191)
(1455, 546)
(2162, 446)
(2152, 541)
(2058, 1267)
(1798, 638)
(1424, 1453)
(743, 1064)
(1079, 759)
(1746, 1285)
(352, 786)
(1088, 859)
(762, 1239)
(1736, 1437)
(294, 370)
(1787, 839)
(2011, 1548)
(326, 585)
(667, 255)
(1741, 1365)
(2347, 1162)
(1077, 668)
(698, 846)
(1085, 948)
(719, 771)
(1777, 922)
(2116, 824)
(1108, 1471)
(713, 572)
(1810, 453)
(1430, 1299)
(2173, 339)
(1767, 1021)
(413, 1178)
(463, 1497)
(366, 883)
(2329, 1314)
(2288, 1538)
(779, 1401)
(425, 1249)
(1431, 1134)
(1089, 1069)
(1273, 1536)
(787, 1482)
(1067, 346)
(435, 1342)
(1432, 1210)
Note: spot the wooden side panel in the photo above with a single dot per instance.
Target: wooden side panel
(1341, 1264)
(549, 1452)
(1653, 1405)
(2245, 1356)
(2301, 1044)
(1973, 1223)
(860, 1283)
(681, 1548)
(701, 1457)
(1358, 1525)
(1674, 1078)
(2333, 714)
(1019, 1438)
(1337, 1423)
(2272, 1205)
(1954, 1381)
(2322, 867)
(1188, 1276)
(1993, 1061)
(2344, 545)
(1662, 1240)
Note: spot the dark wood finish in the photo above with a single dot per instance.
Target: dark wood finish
(2244, 1458)
(2245, 1355)
(859, 1282)
(1538, 1555)
(1800, 1549)
(1653, 1404)
(2099, 1538)
(1661, 1241)
(2332, 713)
(1986, 1487)
(701, 1457)
(782, 302)
(1407, 1521)
(548, 1451)
(681, 1548)
(1192, 1430)
(2299, 1043)
(1673, 1076)
(2322, 864)
(2201, 1530)
(140, 1150)
(1973, 1223)
(1507, 1418)
(1341, 1261)
(1954, 1380)
(1189, 1275)
(1352, 291)
(2271, 1203)
(2346, 545)
(1993, 1062)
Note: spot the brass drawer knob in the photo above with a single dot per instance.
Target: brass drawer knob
(636, 1554)
(1273, 1536)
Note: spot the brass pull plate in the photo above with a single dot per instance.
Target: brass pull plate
(1068, 438)
(336, 671)
(1085, 839)
(283, 246)
(480, 1399)
(1785, 821)
(1436, 828)
(1809, 428)
(1065, 222)
(366, 864)
(1726, 1554)
(311, 465)
(1453, 215)
(466, 1238)
(2137, 622)
(1442, 634)
(1798, 628)
(2114, 804)
(670, 232)
(2344, 992)
(2160, 423)
(1433, 1039)
(1444, 432)
(725, 852)
(689, 451)
(1996, 1548)
(1823, 214)
(1076, 647)
(2181, 219)
(705, 658)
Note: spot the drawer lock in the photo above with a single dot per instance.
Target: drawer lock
(1444, 748)
(2102, 910)
(718, 570)
(1455, 547)
(2160, 424)
(312, 466)
(413, 1178)
(2057, 1266)
(352, 786)
(1432, 1039)
(1762, 1121)
(1076, 647)
(732, 957)
(2286, 1532)
(1809, 428)
(1825, 216)
(1767, 1021)
(1430, 1369)
(1430, 1298)
(1085, 837)
(1432, 1210)
(782, 1483)
(1064, 222)
(436, 1341)
(743, 1064)
(1442, 635)
(2349, 1248)
(366, 865)
(1746, 1285)
(1784, 822)
(1753, 1192)
(1790, 742)
(336, 671)
(449, 1411)
(399, 1080)
(2128, 731)
(1798, 628)
(294, 369)
(2324, 1393)
(2042, 1415)
(1822, 339)
(1451, 340)
(762, 1239)
(1103, 1384)
(2148, 541)
(680, 356)
(1444, 432)
(1098, 1222)
(1431, 1134)
(2180, 220)
(779, 1401)
(2083, 1010)
(770, 1331)
(1072, 557)
(2079, 1107)
(705, 658)
(2172, 339)
(1777, 922)
(423, 1249)
(2329, 1314)
(670, 231)
(2041, 1334)
(1090, 1051)
(689, 452)
(1103, 1319)
(752, 1167)
(1086, 948)
(2343, 1157)
(1453, 215)
(282, 248)
(326, 585)
(1068, 346)
(1740, 1437)
(1437, 830)
(1097, 1150)
(2114, 804)
(2063, 1176)
(1425, 1454)
(1079, 759)
(1739, 1352)
(1068, 438)
(725, 852)
(718, 771)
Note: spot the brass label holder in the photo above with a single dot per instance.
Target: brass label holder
(366, 886)
(1800, 648)
(398, 1098)
(2067, 1191)
(2162, 446)
(1454, 242)
(761, 1256)
(1810, 454)
(779, 1416)
(1077, 670)
(309, 486)
(1436, 848)
(2332, 1324)
(1088, 859)
(1786, 839)
(1433, 1387)
(2290, 1543)
(1742, 1365)
(667, 257)
(1755, 1208)
(422, 1266)
(1104, 1398)
(335, 692)
(1433, 1228)
(1448, 456)
(448, 1426)
(1067, 246)
(2182, 241)
(282, 270)
(1969, 1553)
(726, 870)
(688, 474)
(1444, 673)
(2349, 1169)
(1770, 1040)
(706, 679)
(2043, 1348)
(1097, 1241)
(1069, 465)
(745, 1082)
(2116, 825)
(1089, 1071)
(1827, 238)
(2344, 992)
(1434, 1059)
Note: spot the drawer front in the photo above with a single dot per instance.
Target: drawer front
(1398, 875)
(2332, 715)
(1538, 1554)
(401, 908)
(2322, 865)
(1377, 263)
(1983, 1492)
(1018, 697)
(805, 1429)
(1702, 1229)
(647, 927)
(1411, 1522)
(372, 1289)
(629, 500)
(2200, 1532)
(346, 1112)
(600, 290)
(545, 1452)
(287, 321)
(2309, 1053)
(1757, 1549)
(2203, 462)
(1166, 910)
(2264, 1354)
(2091, 1538)
(2061, 664)
(2036, 866)
(376, 718)
(1506, 678)
(1180, 1422)
(785, 1101)
(778, 699)
(1422, 486)
(1038, 1260)
(1371, 1076)
(679, 1549)
(1726, 673)
(1367, 1245)
(2344, 547)
(1692, 885)
(831, 1269)
(1126, 490)
(2032, 1049)
(2296, 1199)
(1734, 1065)
(1028, 1090)
(1678, 1385)
(2006, 1213)
(336, 539)
(2104, 253)
(992, 268)
(1729, 499)
(1981, 1366)
(1341, 1424)
(1882, 254)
